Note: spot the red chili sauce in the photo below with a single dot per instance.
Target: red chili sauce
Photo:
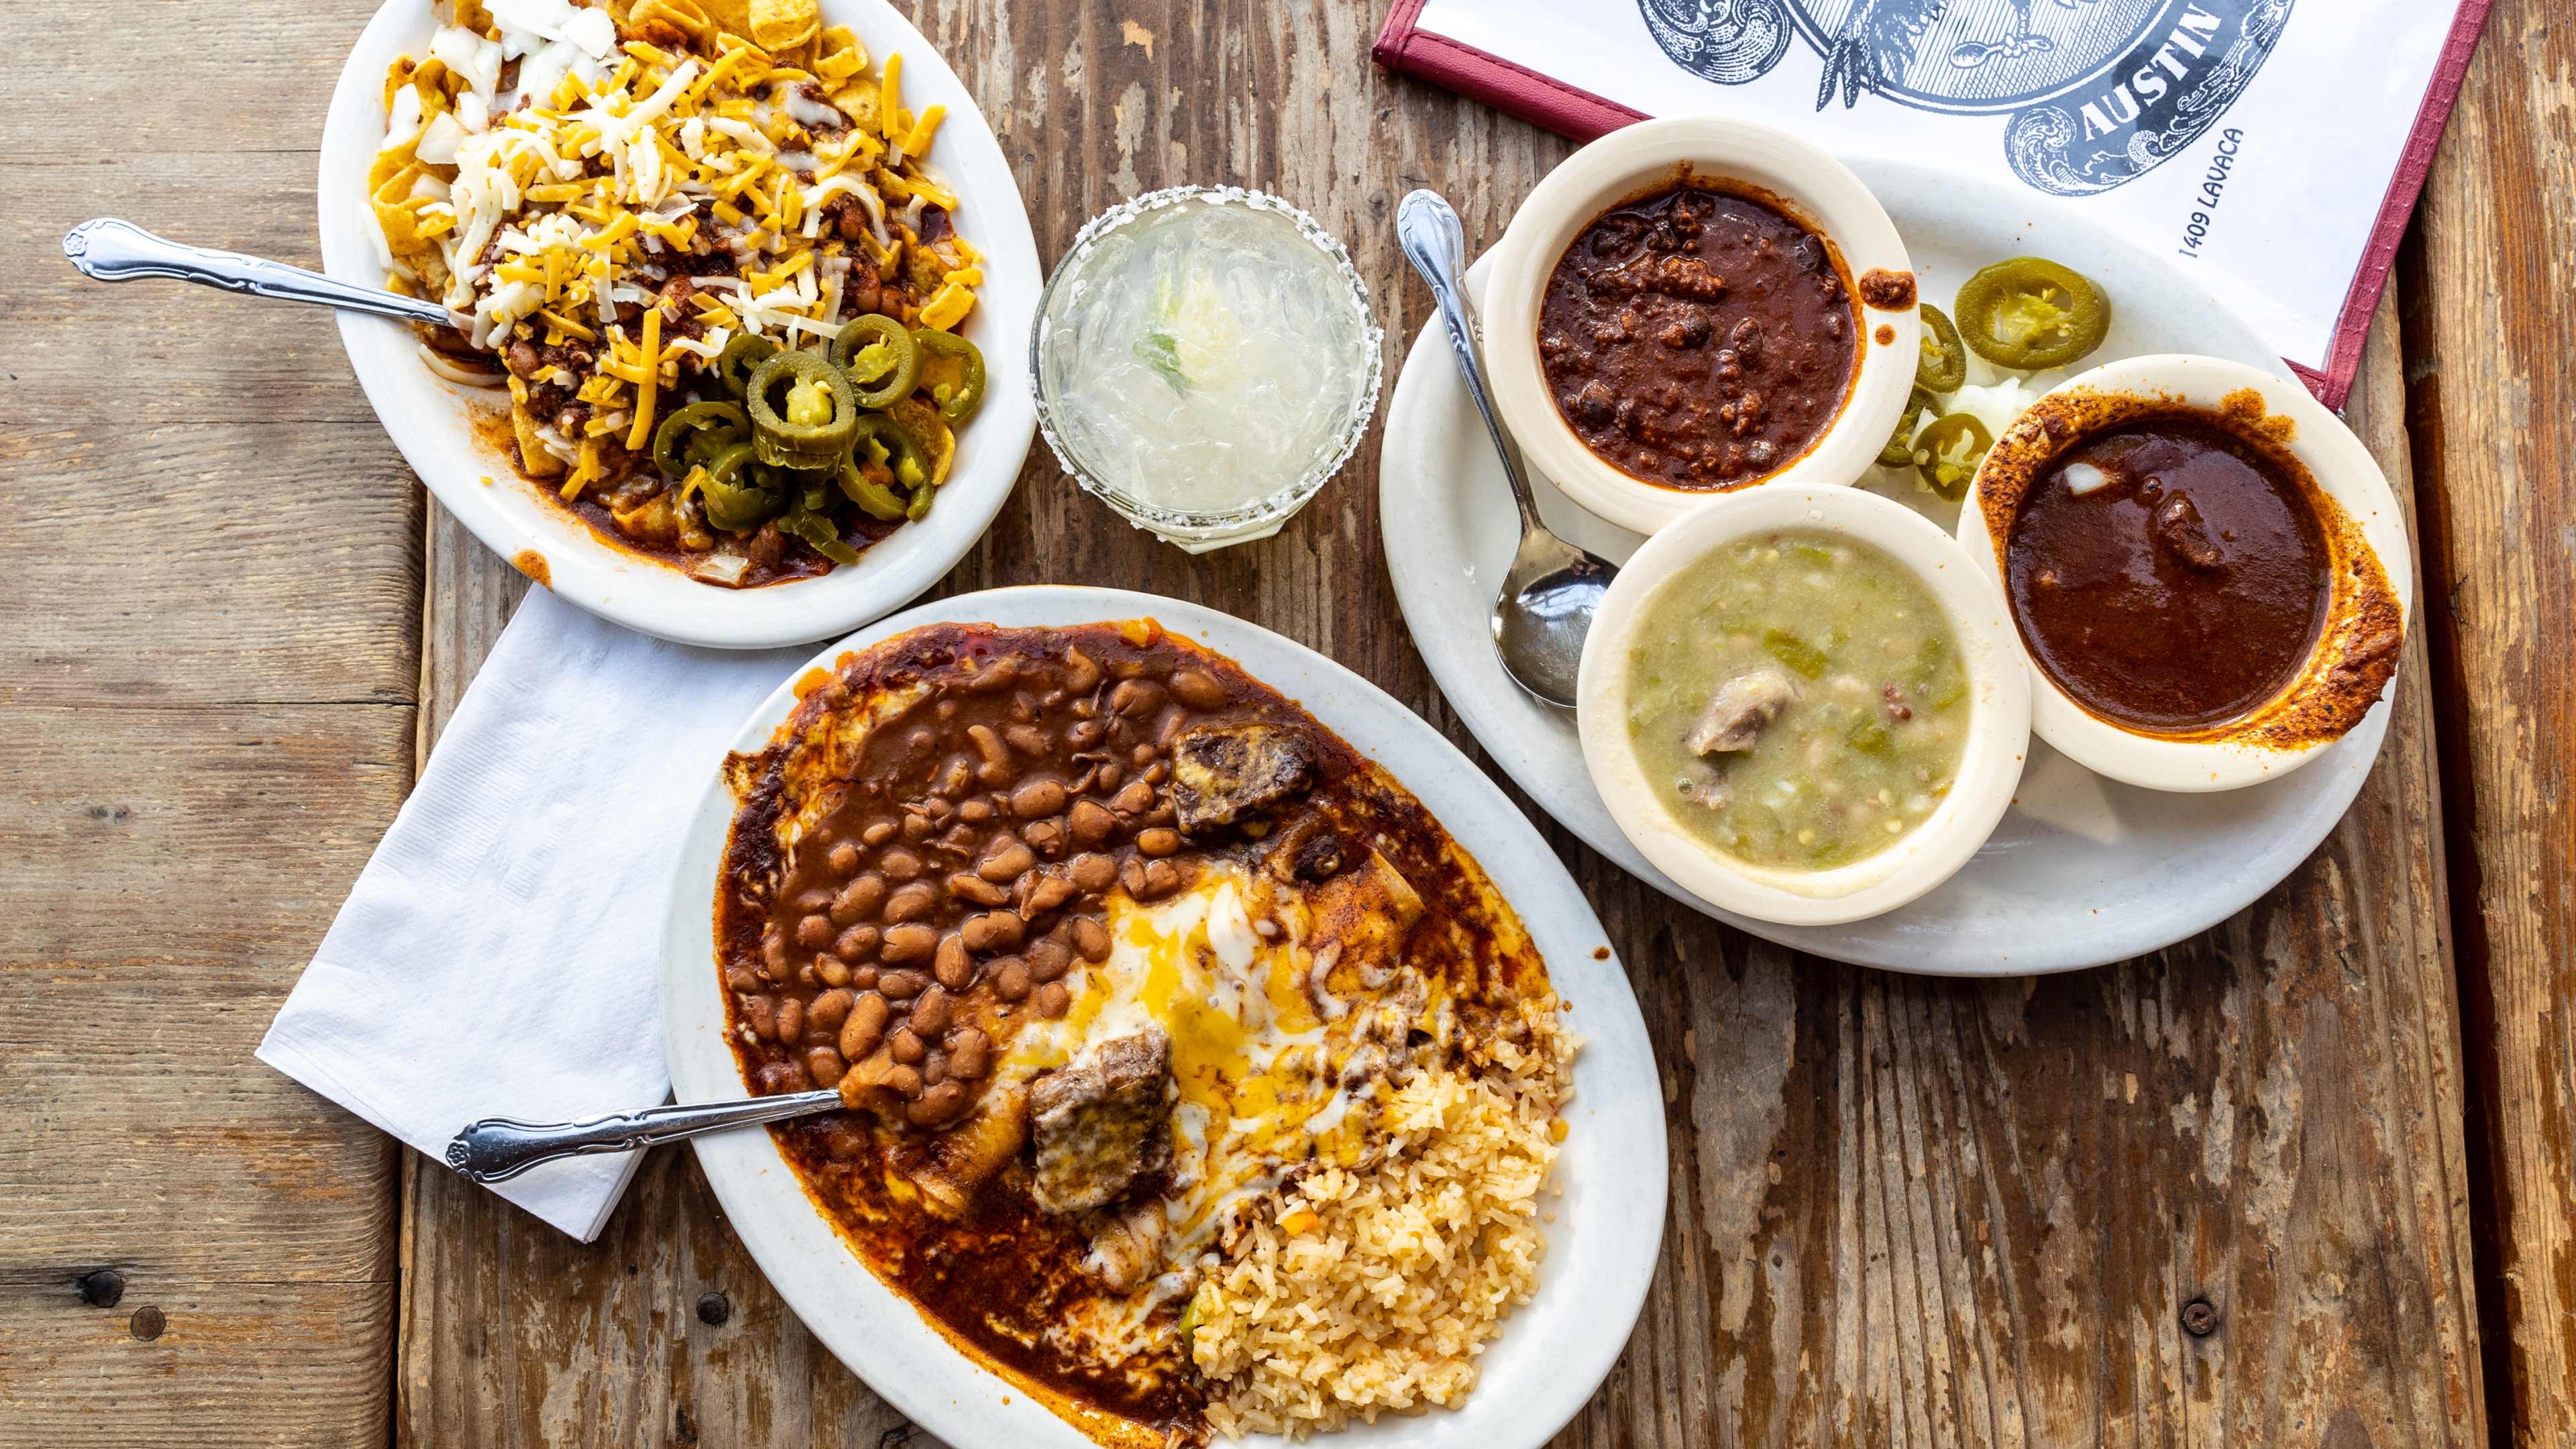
(2184, 592)
(1698, 338)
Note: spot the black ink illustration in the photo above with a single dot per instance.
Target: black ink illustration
(2099, 91)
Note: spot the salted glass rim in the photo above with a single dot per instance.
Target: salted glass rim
(1277, 505)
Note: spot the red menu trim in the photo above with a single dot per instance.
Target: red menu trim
(1543, 100)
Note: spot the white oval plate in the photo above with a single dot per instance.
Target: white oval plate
(433, 422)
(1608, 1221)
(2083, 871)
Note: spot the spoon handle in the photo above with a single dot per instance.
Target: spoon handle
(498, 1148)
(112, 250)
(1427, 227)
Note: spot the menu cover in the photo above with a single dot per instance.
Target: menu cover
(2271, 147)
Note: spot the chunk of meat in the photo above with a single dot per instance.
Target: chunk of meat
(1127, 1244)
(1099, 1122)
(2180, 531)
(1222, 773)
(1740, 709)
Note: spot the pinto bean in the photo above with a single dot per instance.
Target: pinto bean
(1042, 893)
(1198, 689)
(968, 886)
(1011, 978)
(1090, 939)
(911, 941)
(969, 1053)
(1081, 676)
(825, 1066)
(830, 1009)
(952, 964)
(940, 1103)
(1004, 862)
(791, 1020)
(931, 1010)
(992, 931)
(814, 932)
(905, 1046)
(1037, 798)
(902, 985)
(858, 901)
(1093, 872)
(844, 859)
(1089, 823)
(1160, 841)
(913, 901)
(865, 1026)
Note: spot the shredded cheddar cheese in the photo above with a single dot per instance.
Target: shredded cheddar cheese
(641, 192)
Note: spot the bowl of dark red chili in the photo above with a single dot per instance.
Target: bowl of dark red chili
(1695, 305)
(2206, 570)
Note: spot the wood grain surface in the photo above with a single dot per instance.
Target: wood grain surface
(2222, 1191)
(2492, 393)
(209, 600)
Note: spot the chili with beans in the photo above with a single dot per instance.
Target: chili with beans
(897, 905)
(963, 871)
(1699, 338)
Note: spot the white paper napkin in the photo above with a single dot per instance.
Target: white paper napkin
(498, 955)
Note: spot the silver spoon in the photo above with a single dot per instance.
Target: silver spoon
(1553, 589)
(498, 1148)
(111, 250)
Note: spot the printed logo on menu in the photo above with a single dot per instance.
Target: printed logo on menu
(2100, 91)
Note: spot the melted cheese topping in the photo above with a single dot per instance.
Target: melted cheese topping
(1225, 970)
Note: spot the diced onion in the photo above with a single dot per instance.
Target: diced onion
(2083, 478)
(447, 367)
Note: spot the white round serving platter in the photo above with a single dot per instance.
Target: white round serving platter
(2083, 871)
(1608, 1221)
(434, 422)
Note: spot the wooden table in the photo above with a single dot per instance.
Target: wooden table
(2251, 1186)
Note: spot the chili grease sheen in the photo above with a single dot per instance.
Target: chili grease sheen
(2183, 586)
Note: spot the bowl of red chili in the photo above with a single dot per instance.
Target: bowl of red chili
(1695, 305)
(2206, 570)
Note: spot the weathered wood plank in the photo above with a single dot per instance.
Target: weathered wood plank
(1928, 1212)
(2491, 391)
(208, 605)
(1905, 1211)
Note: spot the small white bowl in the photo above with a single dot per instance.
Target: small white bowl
(1989, 767)
(2260, 746)
(1816, 190)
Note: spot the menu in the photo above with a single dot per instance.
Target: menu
(2272, 147)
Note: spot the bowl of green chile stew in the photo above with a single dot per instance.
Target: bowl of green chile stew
(2207, 571)
(1804, 705)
